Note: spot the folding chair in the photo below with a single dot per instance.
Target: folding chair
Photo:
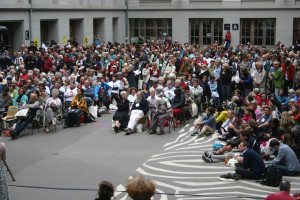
(12, 110)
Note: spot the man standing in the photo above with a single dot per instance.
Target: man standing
(139, 109)
(277, 77)
(288, 70)
(259, 77)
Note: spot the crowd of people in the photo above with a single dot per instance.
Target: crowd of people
(249, 95)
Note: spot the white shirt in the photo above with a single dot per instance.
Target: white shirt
(115, 85)
(70, 94)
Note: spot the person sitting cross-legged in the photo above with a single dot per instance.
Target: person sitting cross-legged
(206, 124)
(253, 166)
(139, 108)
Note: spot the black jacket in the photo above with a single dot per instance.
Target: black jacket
(226, 77)
(143, 105)
(123, 106)
(179, 101)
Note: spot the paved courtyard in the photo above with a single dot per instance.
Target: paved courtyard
(79, 158)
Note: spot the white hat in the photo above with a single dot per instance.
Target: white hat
(99, 75)
(291, 91)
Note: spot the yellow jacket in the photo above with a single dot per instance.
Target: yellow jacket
(221, 116)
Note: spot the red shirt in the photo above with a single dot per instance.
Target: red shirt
(290, 71)
(280, 196)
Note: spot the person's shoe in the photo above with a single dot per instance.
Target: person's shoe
(199, 135)
(152, 132)
(230, 177)
(128, 133)
(194, 133)
(206, 159)
(47, 130)
(221, 137)
(65, 126)
(116, 129)
(12, 134)
(76, 125)
(206, 154)
(160, 133)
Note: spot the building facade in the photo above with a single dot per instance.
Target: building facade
(260, 22)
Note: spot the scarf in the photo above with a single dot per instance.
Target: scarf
(80, 103)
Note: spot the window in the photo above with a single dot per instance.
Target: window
(258, 31)
(296, 32)
(206, 31)
(150, 29)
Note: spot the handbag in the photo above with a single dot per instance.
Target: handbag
(194, 109)
(22, 114)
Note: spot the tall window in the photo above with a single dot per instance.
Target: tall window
(296, 32)
(150, 29)
(206, 31)
(258, 31)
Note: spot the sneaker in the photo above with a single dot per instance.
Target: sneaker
(194, 133)
(161, 133)
(206, 154)
(206, 159)
(12, 134)
(230, 177)
(221, 137)
(116, 129)
(199, 135)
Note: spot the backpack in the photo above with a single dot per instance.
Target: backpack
(87, 118)
(273, 176)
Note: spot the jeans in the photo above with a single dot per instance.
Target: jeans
(105, 102)
(89, 101)
(22, 123)
(245, 174)
(287, 172)
(77, 116)
(226, 92)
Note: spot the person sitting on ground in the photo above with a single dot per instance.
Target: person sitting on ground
(105, 191)
(78, 107)
(139, 108)
(263, 122)
(33, 105)
(227, 150)
(284, 194)
(286, 159)
(233, 128)
(206, 124)
(52, 107)
(140, 188)
(121, 116)
(164, 112)
(253, 166)
(221, 116)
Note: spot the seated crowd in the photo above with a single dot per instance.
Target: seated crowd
(249, 96)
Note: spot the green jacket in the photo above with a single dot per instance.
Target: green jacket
(278, 78)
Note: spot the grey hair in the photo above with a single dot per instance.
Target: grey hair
(123, 92)
(55, 91)
(152, 90)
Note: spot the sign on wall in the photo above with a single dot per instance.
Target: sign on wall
(64, 39)
(86, 40)
(235, 27)
(36, 43)
(226, 27)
